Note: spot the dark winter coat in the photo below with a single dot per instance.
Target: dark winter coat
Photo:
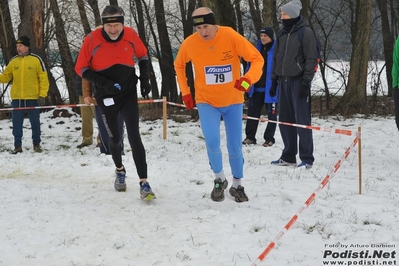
(293, 58)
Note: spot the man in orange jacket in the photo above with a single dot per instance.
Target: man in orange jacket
(215, 52)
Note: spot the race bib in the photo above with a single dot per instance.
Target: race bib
(218, 74)
(109, 101)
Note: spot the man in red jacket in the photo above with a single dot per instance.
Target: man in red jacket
(107, 60)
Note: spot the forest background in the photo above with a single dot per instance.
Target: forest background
(357, 38)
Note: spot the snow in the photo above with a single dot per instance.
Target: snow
(59, 207)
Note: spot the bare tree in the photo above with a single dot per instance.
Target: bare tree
(83, 16)
(169, 87)
(224, 12)
(388, 41)
(255, 14)
(32, 25)
(7, 38)
(354, 98)
(65, 53)
(269, 14)
(139, 19)
(186, 10)
(96, 12)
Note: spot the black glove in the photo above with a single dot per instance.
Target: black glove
(304, 90)
(100, 81)
(145, 87)
(273, 88)
(41, 101)
(396, 101)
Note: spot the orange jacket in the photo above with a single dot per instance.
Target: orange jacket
(217, 66)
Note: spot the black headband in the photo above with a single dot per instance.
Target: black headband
(204, 19)
(113, 19)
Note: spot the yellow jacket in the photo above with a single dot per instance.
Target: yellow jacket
(28, 75)
(217, 66)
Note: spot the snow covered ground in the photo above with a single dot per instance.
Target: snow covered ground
(59, 207)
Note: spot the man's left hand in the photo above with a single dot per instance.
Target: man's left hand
(41, 101)
(243, 84)
(145, 87)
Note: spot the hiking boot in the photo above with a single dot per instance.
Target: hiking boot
(120, 184)
(81, 145)
(238, 194)
(267, 143)
(217, 193)
(37, 148)
(248, 141)
(16, 150)
(280, 162)
(146, 193)
(307, 165)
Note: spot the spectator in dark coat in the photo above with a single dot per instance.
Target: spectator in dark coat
(293, 71)
(259, 94)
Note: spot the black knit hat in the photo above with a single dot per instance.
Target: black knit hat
(268, 31)
(24, 40)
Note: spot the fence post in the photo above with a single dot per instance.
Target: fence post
(359, 143)
(164, 115)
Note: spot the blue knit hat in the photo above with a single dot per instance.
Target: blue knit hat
(268, 31)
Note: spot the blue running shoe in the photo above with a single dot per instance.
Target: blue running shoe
(120, 184)
(307, 165)
(146, 193)
(280, 162)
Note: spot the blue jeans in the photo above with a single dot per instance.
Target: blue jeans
(210, 118)
(18, 120)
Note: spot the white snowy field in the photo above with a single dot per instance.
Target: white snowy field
(59, 207)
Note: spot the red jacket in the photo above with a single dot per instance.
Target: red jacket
(111, 61)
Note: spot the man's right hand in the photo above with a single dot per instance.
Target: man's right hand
(188, 101)
(87, 100)
(273, 88)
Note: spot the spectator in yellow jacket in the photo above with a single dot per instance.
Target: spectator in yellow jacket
(30, 85)
(215, 51)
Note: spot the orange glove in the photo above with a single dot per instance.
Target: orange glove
(188, 101)
(242, 84)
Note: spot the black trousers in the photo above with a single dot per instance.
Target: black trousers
(255, 106)
(126, 105)
(295, 110)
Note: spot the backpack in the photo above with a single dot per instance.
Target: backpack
(301, 33)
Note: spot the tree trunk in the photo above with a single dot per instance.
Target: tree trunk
(256, 16)
(169, 87)
(388, 41)
(65, 53)
(354, 98)
(224, 12)
(188, 30)
(96, 12)
(139, 18)
(83, 16)
(269, 14)
(7, 38)
(32, 25)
